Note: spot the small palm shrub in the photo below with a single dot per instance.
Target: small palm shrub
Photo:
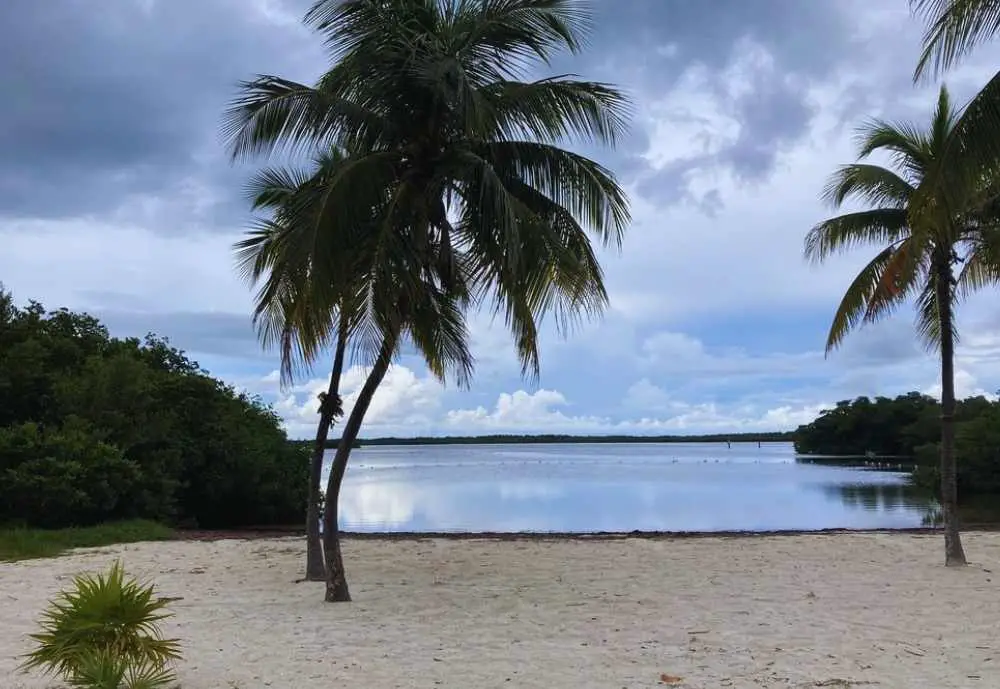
(104, 633)
(103, 669)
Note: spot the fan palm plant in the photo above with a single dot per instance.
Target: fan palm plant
(105, 632)
(455, 170)
(917, 257)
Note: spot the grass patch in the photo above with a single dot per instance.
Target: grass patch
(23, 544)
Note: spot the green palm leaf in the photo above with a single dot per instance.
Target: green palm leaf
(869, 184)
(953, 29)
(851, 230)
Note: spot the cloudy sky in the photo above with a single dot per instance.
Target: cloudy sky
(117, 198)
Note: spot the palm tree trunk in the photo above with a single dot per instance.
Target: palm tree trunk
(336, 579)
(315, 567)
(954, 554)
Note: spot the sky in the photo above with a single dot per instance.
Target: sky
(117, 198)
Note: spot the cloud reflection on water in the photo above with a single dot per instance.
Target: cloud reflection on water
(616, 488)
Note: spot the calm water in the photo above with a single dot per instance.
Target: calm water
(621, 487)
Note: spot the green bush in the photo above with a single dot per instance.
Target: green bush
(95, 428)
(104, 633)
(977, 453)
(61, 476)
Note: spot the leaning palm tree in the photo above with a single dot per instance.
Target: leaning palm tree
(321, 282)
(298, 313)
(460, 155)
(917, 260)
(952, 29)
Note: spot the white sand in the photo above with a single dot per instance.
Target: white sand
(786, 611)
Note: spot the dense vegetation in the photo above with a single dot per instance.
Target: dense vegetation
(95, 429)
(909, 427)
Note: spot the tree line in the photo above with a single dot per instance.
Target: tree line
(908, 427)
(95, 428)
(550, 438)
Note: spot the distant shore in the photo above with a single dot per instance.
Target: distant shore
(506, 439)
(844, 609)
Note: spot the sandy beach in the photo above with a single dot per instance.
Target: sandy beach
(872, 609)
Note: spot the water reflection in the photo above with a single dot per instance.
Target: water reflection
(665, 487)
(884, 497)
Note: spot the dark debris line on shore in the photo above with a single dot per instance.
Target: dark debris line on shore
(256, 534)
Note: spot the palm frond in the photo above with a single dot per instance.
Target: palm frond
(274, 187)
(952, 29)
(928, 316)
(102, 613)
(900, 278)
(871, 184)
(438, 329)
(274, 114)
(879, 226)
(859, 302)
(981, 267)
(908, 147)
(586, 190)
(520, 30)
(555, 109)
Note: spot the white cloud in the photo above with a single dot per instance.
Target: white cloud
(404, 403)
(98, 265)
(521, 412)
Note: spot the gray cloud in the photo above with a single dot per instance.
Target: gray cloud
(218, 334)
(806, 40)
(126, 101)
(805, 37)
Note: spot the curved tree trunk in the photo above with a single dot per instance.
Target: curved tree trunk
(954, 554)
(336, 579)
(329, 408)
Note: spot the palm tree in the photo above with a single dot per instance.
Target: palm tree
(953, 29)
(301, 323)
(455, 166)
(321, 282)
(917, 259)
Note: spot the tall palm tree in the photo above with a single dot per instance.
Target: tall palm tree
(459, 155)
(917, 260)
(321, 282)
(952, 29)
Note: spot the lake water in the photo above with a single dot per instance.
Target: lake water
(616, 487)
